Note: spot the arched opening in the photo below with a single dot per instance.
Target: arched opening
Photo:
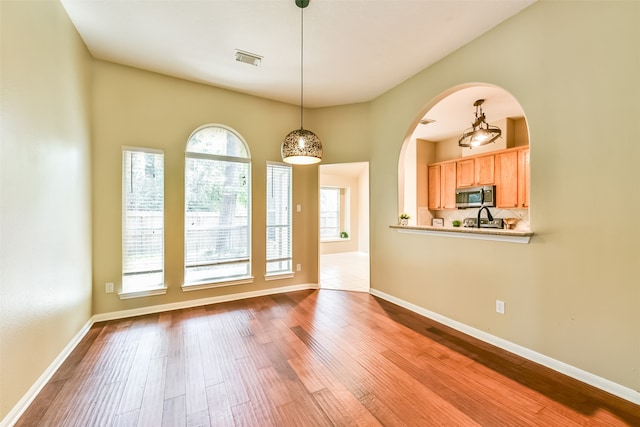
(433, 168)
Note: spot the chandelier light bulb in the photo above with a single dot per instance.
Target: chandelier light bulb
(478, 135)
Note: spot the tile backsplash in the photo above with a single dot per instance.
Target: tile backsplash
(425, 216)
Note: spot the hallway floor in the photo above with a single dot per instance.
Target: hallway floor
(347, 271)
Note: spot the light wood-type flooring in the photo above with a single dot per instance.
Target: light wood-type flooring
(308, 358)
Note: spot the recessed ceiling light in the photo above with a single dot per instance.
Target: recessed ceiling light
(426, 121)
(248, 57)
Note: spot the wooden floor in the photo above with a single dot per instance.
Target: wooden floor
(309, 358)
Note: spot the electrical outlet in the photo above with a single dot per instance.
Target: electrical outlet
(298, 267)
(298, 208)
(499, 306)
(108, 287)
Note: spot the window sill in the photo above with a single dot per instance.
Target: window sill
(211, 284)
(279, 276)
(335, 239)
(142, 294)
(498, 235)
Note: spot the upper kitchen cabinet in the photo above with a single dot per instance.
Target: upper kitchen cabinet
(523, 178)
(465, 173)
(434, 186)
(442, 186)
(507, 169)
(476, 171)
(512, 178)
(507, 185)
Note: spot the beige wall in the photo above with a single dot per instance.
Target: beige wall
(141, 109)
(45, 257)
(572, 293)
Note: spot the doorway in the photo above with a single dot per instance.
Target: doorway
(344, 227)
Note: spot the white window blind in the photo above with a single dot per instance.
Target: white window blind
(217, 207)
(278, 219)
(329, 212)
(142, 220)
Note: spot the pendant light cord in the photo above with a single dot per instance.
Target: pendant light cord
(301, 66)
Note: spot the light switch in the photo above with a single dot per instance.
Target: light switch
(298, 208)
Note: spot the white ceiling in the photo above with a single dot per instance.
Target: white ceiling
(354, 50)
(455, 113)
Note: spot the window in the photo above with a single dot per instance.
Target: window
(217, 198)
(278, 219)
(329, 213)
(142, 220)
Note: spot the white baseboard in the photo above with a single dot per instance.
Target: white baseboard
(19, 409)
(198, 302)
(564, 368)
(16, 412)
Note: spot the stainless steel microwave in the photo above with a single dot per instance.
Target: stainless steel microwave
(475, 197)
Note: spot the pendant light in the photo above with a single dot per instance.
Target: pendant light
(301, 146)
(480, 132)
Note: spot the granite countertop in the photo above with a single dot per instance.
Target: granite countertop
(521, 236)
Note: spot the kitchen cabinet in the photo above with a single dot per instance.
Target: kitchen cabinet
(507, 169)
(448, 189)
(475, 171)
(512, 179)
(434, 187)
(442, 186)
(523, 178)
(507, 179)
(465, 173)
(485, 170)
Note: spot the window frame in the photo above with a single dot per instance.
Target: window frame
(213, 282)
(282, 274)
(340, 195)
(161, 287)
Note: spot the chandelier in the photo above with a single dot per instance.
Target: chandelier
(480, 132)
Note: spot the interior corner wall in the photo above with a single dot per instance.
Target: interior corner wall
(45, 202)
(572, 293)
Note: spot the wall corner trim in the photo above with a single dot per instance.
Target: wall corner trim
(564, 368)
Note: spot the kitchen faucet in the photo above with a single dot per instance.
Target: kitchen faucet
(488, 214)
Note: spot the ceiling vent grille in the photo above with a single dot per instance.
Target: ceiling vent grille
(248, 58)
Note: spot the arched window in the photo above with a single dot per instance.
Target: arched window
(217, 207)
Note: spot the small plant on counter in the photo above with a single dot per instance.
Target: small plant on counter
(344, 235)
(404, 218)
(456, 223)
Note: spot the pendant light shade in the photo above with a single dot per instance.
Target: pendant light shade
(301, 146)
(480, 132)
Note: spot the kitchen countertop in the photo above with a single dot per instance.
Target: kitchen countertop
(497, 234)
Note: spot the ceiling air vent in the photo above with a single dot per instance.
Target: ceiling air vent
(247, 57)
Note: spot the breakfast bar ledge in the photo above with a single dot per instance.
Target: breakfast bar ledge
(495, 234)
